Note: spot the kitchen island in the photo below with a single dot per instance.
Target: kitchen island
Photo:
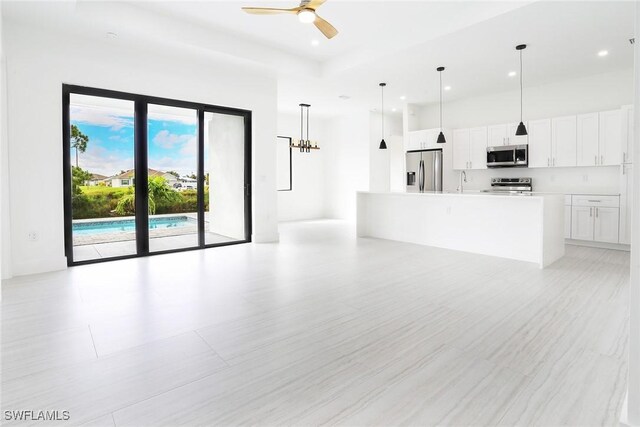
(526, 227)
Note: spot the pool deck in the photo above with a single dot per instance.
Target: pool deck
(109, 245)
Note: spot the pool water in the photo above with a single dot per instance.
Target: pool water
(129, 225)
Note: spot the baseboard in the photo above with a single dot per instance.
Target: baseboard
(265, 237)
(38, 265)
(602, 245)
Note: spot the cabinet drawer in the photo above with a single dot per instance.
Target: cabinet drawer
(595, 200)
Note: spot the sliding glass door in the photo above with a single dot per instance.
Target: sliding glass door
(147, 175)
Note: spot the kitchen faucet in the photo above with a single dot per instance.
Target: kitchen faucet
(463, 178)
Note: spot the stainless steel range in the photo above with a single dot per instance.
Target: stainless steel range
(511, 185)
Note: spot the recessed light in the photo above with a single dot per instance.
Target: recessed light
(603, 53)
(344, 97)
(447, 88)
(512, 74)
(111, 35)
(315, 42)
(394, 109)
(403, 97)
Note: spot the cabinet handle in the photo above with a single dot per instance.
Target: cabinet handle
(601, 159)
(590, 212)
(624, 157)
(624, 169)
(548, 162)
(554, 161)
(597, 212)
(596, 159)
(470, 165)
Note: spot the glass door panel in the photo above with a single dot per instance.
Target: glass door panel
(172, 152)
(224, 177)
(102, 163)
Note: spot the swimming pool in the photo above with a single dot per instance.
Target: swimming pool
(129, 225)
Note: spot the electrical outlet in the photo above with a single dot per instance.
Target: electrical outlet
(32, 236)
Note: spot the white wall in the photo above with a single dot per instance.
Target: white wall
(380, 160)
(589, 94)
(633, 396)
(346, 163)
(5, 230)
(37, 65)
(306, 199)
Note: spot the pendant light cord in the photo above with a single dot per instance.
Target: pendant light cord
(521, 86)
(440, 101)
(382, 112)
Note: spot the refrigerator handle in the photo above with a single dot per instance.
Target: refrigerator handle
(421, 176)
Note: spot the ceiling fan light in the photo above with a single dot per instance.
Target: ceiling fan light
(307, 16)
(522, 130)
(441, 139)
(383, 145)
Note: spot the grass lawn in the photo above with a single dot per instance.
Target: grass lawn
(99, 190)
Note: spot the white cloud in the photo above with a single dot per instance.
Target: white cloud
(168, 140)
(100, 160)
(100, 116)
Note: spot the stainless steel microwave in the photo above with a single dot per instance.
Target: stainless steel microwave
(508, 156)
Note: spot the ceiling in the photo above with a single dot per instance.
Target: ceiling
(563, 40)
(362, 25)
(399, 42)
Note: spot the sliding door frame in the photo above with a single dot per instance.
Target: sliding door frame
(141, 103)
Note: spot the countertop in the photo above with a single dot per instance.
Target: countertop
(470, 193)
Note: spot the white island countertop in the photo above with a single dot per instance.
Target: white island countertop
(526, 227)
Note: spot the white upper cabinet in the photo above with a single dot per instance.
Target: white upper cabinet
(497, 135)
(461, 149)
(610, 143)
(505, 135)
(627, 134)
(539, 143)
(470, 148)
(587, 132)
(424, 139)
(478, 148)
(563, 141)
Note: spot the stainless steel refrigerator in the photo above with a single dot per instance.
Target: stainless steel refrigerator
(424, 171)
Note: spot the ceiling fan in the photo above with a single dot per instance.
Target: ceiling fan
(306, 13)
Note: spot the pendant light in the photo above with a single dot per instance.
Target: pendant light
(304, 144)
(441, 138)
(383, 145)
(522, 130)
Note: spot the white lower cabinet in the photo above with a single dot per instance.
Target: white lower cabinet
(595, 218)
(626, 203)
(606, 225)
(582, 223)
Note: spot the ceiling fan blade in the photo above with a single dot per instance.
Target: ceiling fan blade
(269, 10)
(327, 29)
(314, 4)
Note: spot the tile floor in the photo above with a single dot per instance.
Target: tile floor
(323, 328)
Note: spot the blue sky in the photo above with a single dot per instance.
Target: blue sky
(172, 140)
